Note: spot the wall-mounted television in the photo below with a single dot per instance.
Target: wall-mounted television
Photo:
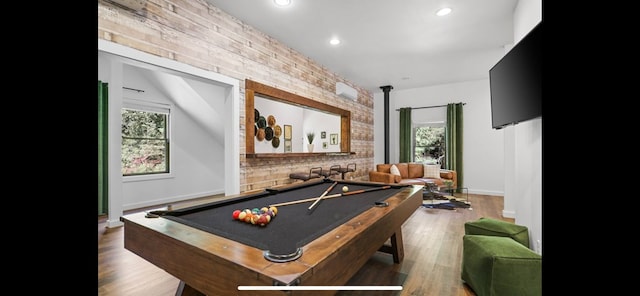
(516, 82)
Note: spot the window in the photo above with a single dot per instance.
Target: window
(145, 138)
(429, 144)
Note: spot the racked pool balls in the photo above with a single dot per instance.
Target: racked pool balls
(256, 216)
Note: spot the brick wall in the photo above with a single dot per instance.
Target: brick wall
(201, 35)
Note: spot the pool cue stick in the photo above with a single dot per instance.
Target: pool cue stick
(366, 190)
(304, 200)
(321, 196)
(329, 196)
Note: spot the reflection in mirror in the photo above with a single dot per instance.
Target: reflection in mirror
(281, 122)
(273, 115)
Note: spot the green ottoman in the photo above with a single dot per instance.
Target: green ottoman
(497, 265)
(493, 227)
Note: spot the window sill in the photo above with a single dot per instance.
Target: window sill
(141, 178)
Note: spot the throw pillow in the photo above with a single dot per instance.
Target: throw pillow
(394, 170)
(432, 171)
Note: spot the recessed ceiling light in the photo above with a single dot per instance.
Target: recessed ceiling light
(443, 11)
(282, 2)
(334, 41)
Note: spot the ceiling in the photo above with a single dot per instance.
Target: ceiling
(398, 43)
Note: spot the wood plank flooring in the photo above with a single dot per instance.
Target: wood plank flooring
(432, 263)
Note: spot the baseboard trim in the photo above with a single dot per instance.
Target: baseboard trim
(113, 224)
(486, 192)
(169, 200)
(508, 214)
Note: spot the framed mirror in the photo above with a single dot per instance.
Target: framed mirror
(274, 114)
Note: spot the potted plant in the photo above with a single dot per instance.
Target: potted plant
(310, 137)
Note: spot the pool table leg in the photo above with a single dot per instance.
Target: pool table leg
(186, 290)
(397, 248)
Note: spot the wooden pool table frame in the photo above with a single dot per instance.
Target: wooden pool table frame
(213, 265)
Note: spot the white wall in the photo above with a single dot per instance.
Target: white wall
(513, 154)
(316, 121)
(195, 156)
(483, 146)
(202, 163)
(523, 200)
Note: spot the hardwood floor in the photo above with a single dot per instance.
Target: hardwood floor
(431, 266)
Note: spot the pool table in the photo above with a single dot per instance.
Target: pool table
(212, 254)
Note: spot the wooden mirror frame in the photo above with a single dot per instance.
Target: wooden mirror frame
(252, 88)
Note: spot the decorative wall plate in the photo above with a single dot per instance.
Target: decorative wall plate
(262, 122)
(268, 133)
(260, 135)
(277, 131)
(271, 121)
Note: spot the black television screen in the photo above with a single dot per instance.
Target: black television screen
(516, 82)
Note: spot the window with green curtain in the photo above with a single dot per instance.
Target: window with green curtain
(103, 165)
(429, 143)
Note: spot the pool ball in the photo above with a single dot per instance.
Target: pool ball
(270, 213)
(345, 188)
(262, 220)
(236, 214)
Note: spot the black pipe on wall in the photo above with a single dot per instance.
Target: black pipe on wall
(386, 89)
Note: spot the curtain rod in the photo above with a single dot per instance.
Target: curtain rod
(138, 90)
(429, 107)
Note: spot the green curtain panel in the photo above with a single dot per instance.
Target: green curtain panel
(453, 139)
(405, 134)
(103, 168)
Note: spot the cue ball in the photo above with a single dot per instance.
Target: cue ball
(345, 188)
